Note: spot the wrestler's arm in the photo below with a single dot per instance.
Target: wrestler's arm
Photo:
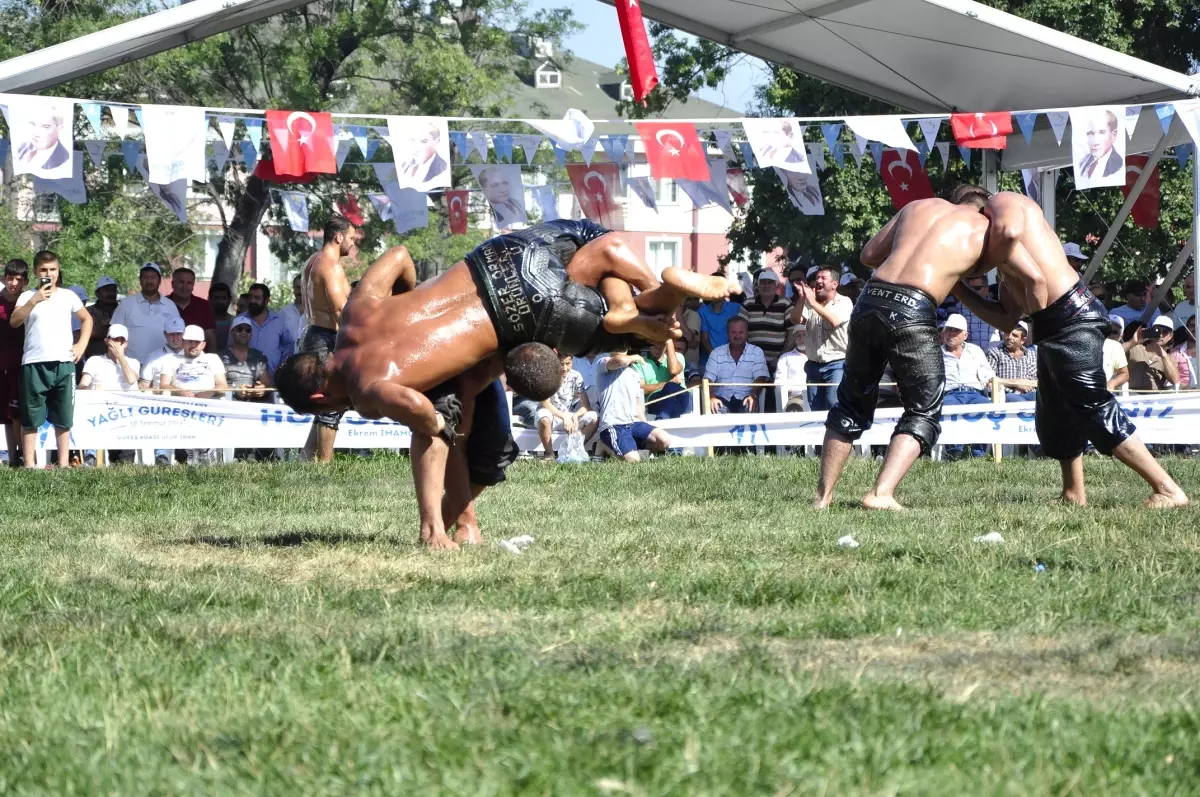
(395, 265)
(998, 314)
(879, 247)
(404, 405)
(1004, 249)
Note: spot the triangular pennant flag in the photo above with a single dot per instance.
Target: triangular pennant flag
(929, 129)
(1058, 123)
(859, 153)
(92, 110)
(832, 132)
(254, 132)
(410, 209)
(888, 130)
(747, 155)
(876, 152)
(612, 148)
(503, 144)
(4, 147)
(120, 117)
(477, 140)
(385, 173)
(723, 139)
(1166, 112)
(95, 149)
(383, 205)
(816, 154)
(249, 155)
(1132, 114)
(839, 154)
(943, 148)
(697, 192)
(965, 154)
(137, 114)
(588, 149)
(359, 133)
(560, 154)
(922, 151)
(1183, 153)
(226, 125)
(859, 147)
(70, 188)
(623, 147)
(459, 139)
(342, 152)
(4, 110)
(529, 145)
(643, 189)
(220, 156)
(547, 201)
(1189, 116)
(295, 205)
(372, 148)
(1026, 121)
(132, 150)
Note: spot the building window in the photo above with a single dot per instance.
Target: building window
(627, 91)
(548, 78)
(661, 254)
(666, 192)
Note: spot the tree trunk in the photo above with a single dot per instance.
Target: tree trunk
(240, 234)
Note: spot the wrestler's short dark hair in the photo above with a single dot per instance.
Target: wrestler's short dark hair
(297, 378)
(970, 195)
(533, 371)
(335, 226)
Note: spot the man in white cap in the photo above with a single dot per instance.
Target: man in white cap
(112, 370)
(102, 312)
(197, 375)
(968, 373)
(146, 314)
(164, 360)
(767, 316)
(1075, 257)
(1151, 364)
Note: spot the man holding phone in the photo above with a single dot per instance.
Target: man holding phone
(48, 361)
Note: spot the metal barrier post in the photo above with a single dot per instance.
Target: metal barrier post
(998, 399)
(705, 407)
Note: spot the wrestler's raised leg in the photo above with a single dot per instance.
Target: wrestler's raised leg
(624, 318)
(678, 284)
(1167, 495)
(429, 456)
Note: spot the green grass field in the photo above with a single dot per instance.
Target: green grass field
(680, 627)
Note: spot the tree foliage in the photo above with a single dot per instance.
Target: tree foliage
(856, 202)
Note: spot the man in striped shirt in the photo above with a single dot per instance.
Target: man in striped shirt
(767, 315)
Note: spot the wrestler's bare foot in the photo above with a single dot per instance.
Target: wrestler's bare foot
(438, 541)
(821, 503)
(1167, 499)
(468, 535)
(884, 502)
(652, 328)
(1071, 497)
(705, 287)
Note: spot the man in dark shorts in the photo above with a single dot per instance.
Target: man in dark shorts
(918, 257)
(12, 345)
(1069, 326)
(324, 291)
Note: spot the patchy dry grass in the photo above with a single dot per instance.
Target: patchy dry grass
(682, 627)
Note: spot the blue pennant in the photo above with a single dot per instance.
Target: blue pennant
(748, 155)
(254, 129)
(1026, 122)
(459, 139)
(137, 113)
(839, 155)
(623, 143)
(876, 153)
(560, 154)
(4, 145)
(360, 137)
(922, 151)
(831, 133)
(372, 147)
(1183, 153)
(249, 155)
(92, 111)
(131, 150)
(1165, 113)
(503, 144)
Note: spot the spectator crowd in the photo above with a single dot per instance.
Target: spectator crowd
(788, 334)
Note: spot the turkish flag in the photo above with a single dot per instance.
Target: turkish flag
(265, 170)
(1145, 207)
(674, 151)
(736, 180)
(982, 130)
(301, 142)
(643, 75)
(456, 206)
(904, 176)
(597, 187)
(350, 210)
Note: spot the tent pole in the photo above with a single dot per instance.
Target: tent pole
(1048, 179)
(991, 176)
(1126, 209)
(1195, 230)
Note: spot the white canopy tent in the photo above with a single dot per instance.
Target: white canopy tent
(154, 33)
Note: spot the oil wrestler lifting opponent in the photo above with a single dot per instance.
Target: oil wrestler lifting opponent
(918, 257)
(1069, 325)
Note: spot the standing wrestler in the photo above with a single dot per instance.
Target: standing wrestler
(1069, 325)
(918, 256)
(324, 290)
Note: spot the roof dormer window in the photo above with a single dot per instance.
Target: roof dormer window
(548, 77)
(627, 91)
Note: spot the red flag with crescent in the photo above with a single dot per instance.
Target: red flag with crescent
(735, 179)
(1145, 207)
(597, 188)
(904, 176)
(982, 130)
(350, 209)
(456, 207)
(643, 75)
(301, 142)
(674, 151)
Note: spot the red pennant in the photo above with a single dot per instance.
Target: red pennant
(643, 75)
(265, 170)
(674, 151)
(301, 142)
(1145, 207)
(350, 210)
(456, 206)
(736, 180)
(904, 176)
(982, 130)
(597, 187)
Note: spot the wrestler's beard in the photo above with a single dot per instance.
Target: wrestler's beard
(255, 309)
